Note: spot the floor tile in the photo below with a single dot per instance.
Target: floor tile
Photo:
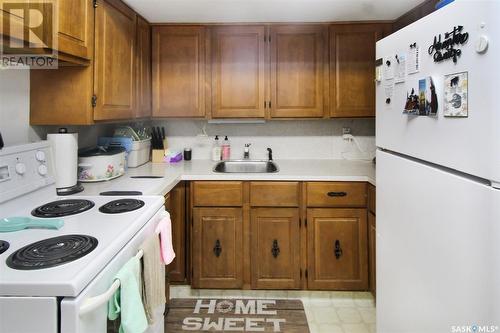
(324, 315)
(330, 329)
(368, 315)
(355, 328)
(342, 298)
(349, 315)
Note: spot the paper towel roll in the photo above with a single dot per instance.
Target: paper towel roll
(65, 157)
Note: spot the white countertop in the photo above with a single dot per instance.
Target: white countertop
(291, 170)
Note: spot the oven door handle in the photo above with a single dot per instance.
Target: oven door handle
(92, 303)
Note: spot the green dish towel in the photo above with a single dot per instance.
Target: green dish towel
(127, 301)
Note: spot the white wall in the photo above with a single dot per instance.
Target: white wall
(14, 106)
(293, 139)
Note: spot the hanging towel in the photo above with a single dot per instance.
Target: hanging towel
(126, 301)
(164, 228)
(153, 278)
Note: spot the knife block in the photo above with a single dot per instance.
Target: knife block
(158, 156)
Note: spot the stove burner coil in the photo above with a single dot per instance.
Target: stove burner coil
(52, 252)
(121, 206)
(4, 246)
(62, 208)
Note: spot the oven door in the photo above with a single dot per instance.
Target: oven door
(28, 315)
(88, 311)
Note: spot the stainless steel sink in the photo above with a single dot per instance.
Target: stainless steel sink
(246, 166)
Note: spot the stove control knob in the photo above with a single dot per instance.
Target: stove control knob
(42, 170)
(20, 168)
(40, 156)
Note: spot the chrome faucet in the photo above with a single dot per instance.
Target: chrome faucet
(270, 153)
(246, 151)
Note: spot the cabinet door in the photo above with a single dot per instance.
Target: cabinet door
(143, 67)
(217, 248)
(372, 241)
(297, 72)
(275, 248)
(179, 71)
(352, 69)
(337, 249)
(76, 18)
(175, 204)
(238, 72)
(114, 78)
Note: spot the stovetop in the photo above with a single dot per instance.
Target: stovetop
(110, 231)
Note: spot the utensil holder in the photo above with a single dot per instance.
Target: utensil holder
(158, 155)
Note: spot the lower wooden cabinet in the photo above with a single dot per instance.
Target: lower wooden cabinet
(217, 248)
(337, 251)
(175, 204)
(372, 241)
(275, 248)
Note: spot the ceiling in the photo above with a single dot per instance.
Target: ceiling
(205, 11)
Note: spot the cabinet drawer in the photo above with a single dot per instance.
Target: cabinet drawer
(336, 194)
(371, 198)
(218, 194)
(274, 194)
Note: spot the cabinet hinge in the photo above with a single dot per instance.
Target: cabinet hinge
(269, 103)
(95, 3)
(300, 222)
(93, 101)
(305, 223)
(265, 38)
(269, 38)
(264, 104)
(307, 275)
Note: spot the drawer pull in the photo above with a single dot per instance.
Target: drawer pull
(338, 249)
(275, 250)
(217, 248)
(337, 194)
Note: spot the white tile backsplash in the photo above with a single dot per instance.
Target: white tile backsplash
(294, 139)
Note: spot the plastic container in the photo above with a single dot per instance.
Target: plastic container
(226, 149)
(139, 154)
(216, 150)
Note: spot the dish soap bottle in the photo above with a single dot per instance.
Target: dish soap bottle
(216, 150)
(226, 149)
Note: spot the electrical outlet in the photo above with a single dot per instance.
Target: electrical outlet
(346, 130)
(346, 133)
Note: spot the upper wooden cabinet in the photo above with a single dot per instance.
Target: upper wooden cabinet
(352, 69)
(74, 38)
(103, 91)
(114, 62)
(238, 72)
(297, 70)
(76, 17)
(143, 68)
(179, 71)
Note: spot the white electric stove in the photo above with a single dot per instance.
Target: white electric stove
(54, 281)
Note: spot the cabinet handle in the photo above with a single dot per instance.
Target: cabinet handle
(275, 250)
(336, 194)
(338, 249)
(217, 248)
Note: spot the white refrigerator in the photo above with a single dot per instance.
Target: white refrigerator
(438, 176)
